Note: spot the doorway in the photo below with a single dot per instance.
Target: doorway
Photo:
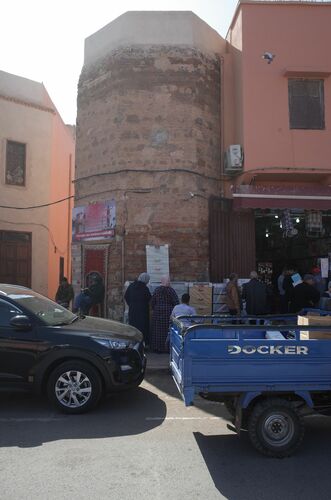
(15, 258)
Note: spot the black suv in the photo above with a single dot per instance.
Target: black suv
(74, 359)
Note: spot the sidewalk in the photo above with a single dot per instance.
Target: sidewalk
(157, 361)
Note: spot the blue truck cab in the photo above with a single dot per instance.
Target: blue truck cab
(268, 377)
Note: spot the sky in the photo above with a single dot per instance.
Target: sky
(44, 39)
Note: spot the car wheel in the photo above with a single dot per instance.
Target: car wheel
(74, 387)
(275, 428)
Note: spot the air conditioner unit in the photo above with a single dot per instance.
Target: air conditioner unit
(233, 161)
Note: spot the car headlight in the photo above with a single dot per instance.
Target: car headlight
(114, 343)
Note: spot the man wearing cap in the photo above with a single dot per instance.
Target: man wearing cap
(305, 294)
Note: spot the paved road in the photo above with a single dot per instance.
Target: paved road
(144, 445)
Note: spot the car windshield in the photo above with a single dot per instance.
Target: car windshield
(48, 311)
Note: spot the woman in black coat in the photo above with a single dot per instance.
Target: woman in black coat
(137, 296)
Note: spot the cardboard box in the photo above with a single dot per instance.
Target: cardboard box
(313, 320)
(201, 298)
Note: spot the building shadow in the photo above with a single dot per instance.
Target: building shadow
(27, 421)
(239, 472)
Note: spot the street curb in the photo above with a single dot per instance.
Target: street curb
(157, 368)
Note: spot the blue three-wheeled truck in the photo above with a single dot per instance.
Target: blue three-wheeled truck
(268, 372)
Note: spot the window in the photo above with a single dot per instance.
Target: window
(306, 104)
(7, 312)
(15, 163)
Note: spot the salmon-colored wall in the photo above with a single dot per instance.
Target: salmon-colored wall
(62, 168)
(28, 115)
(234, 92)
(300, 37)
(33, 127)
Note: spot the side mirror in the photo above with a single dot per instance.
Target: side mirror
(21, 322)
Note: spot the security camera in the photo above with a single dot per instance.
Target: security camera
(269, 57)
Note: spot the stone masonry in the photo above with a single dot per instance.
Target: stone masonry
(148, 136)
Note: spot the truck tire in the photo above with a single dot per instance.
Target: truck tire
(74, 387)
(275, 428)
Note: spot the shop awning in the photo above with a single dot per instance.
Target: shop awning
(281, 201)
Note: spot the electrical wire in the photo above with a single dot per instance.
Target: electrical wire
(148, 171)
(56, 248)
(38, 206)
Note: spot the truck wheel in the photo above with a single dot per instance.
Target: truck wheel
(74, 387)
(275, 428)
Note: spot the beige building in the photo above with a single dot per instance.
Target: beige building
(36, 165)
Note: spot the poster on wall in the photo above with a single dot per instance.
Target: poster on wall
(157, 262)
(324, 265)
(96, 221)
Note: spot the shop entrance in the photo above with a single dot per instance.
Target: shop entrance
(95, 258)
(295, 238)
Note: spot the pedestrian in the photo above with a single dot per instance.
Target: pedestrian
(138, 297)
(327, 294)
(288, 287)
(232, 295)
(164, 299)
(65, 293)
(184, 309)
(91, 296)
(305, 295)
(255, 293)
(319, 282)
(282, 291)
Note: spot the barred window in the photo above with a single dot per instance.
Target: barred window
(306, 104)
(15, 163)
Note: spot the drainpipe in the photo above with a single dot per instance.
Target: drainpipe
(222, 124)
(69, 219)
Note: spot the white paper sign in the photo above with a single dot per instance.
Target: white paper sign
(324, 267)
(157, 261)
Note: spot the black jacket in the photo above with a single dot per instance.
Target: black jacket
(256, 295)
(137, 296)
(304, 295)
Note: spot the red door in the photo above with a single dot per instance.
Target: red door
(95, 262)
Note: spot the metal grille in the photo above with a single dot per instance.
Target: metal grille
(232, 241)
(15, 163)
(306, 104)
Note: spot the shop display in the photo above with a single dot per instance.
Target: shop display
(264, 270)
(313, 320)
(201, 297)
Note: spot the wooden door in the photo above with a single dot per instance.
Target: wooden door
(231, 239)
(15, 258)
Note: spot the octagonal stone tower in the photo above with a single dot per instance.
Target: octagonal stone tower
(148, 136)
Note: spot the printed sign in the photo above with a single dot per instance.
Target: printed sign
(157, 261)
(324, 267)
(96, 221)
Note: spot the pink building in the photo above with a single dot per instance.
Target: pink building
(277, 105)
(36, 169)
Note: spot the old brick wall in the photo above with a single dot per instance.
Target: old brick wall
(148, 136)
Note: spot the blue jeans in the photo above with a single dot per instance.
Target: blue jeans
(83, 303)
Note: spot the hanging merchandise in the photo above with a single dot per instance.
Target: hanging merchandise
(264, 270)
(287, 225)
(314, 223)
